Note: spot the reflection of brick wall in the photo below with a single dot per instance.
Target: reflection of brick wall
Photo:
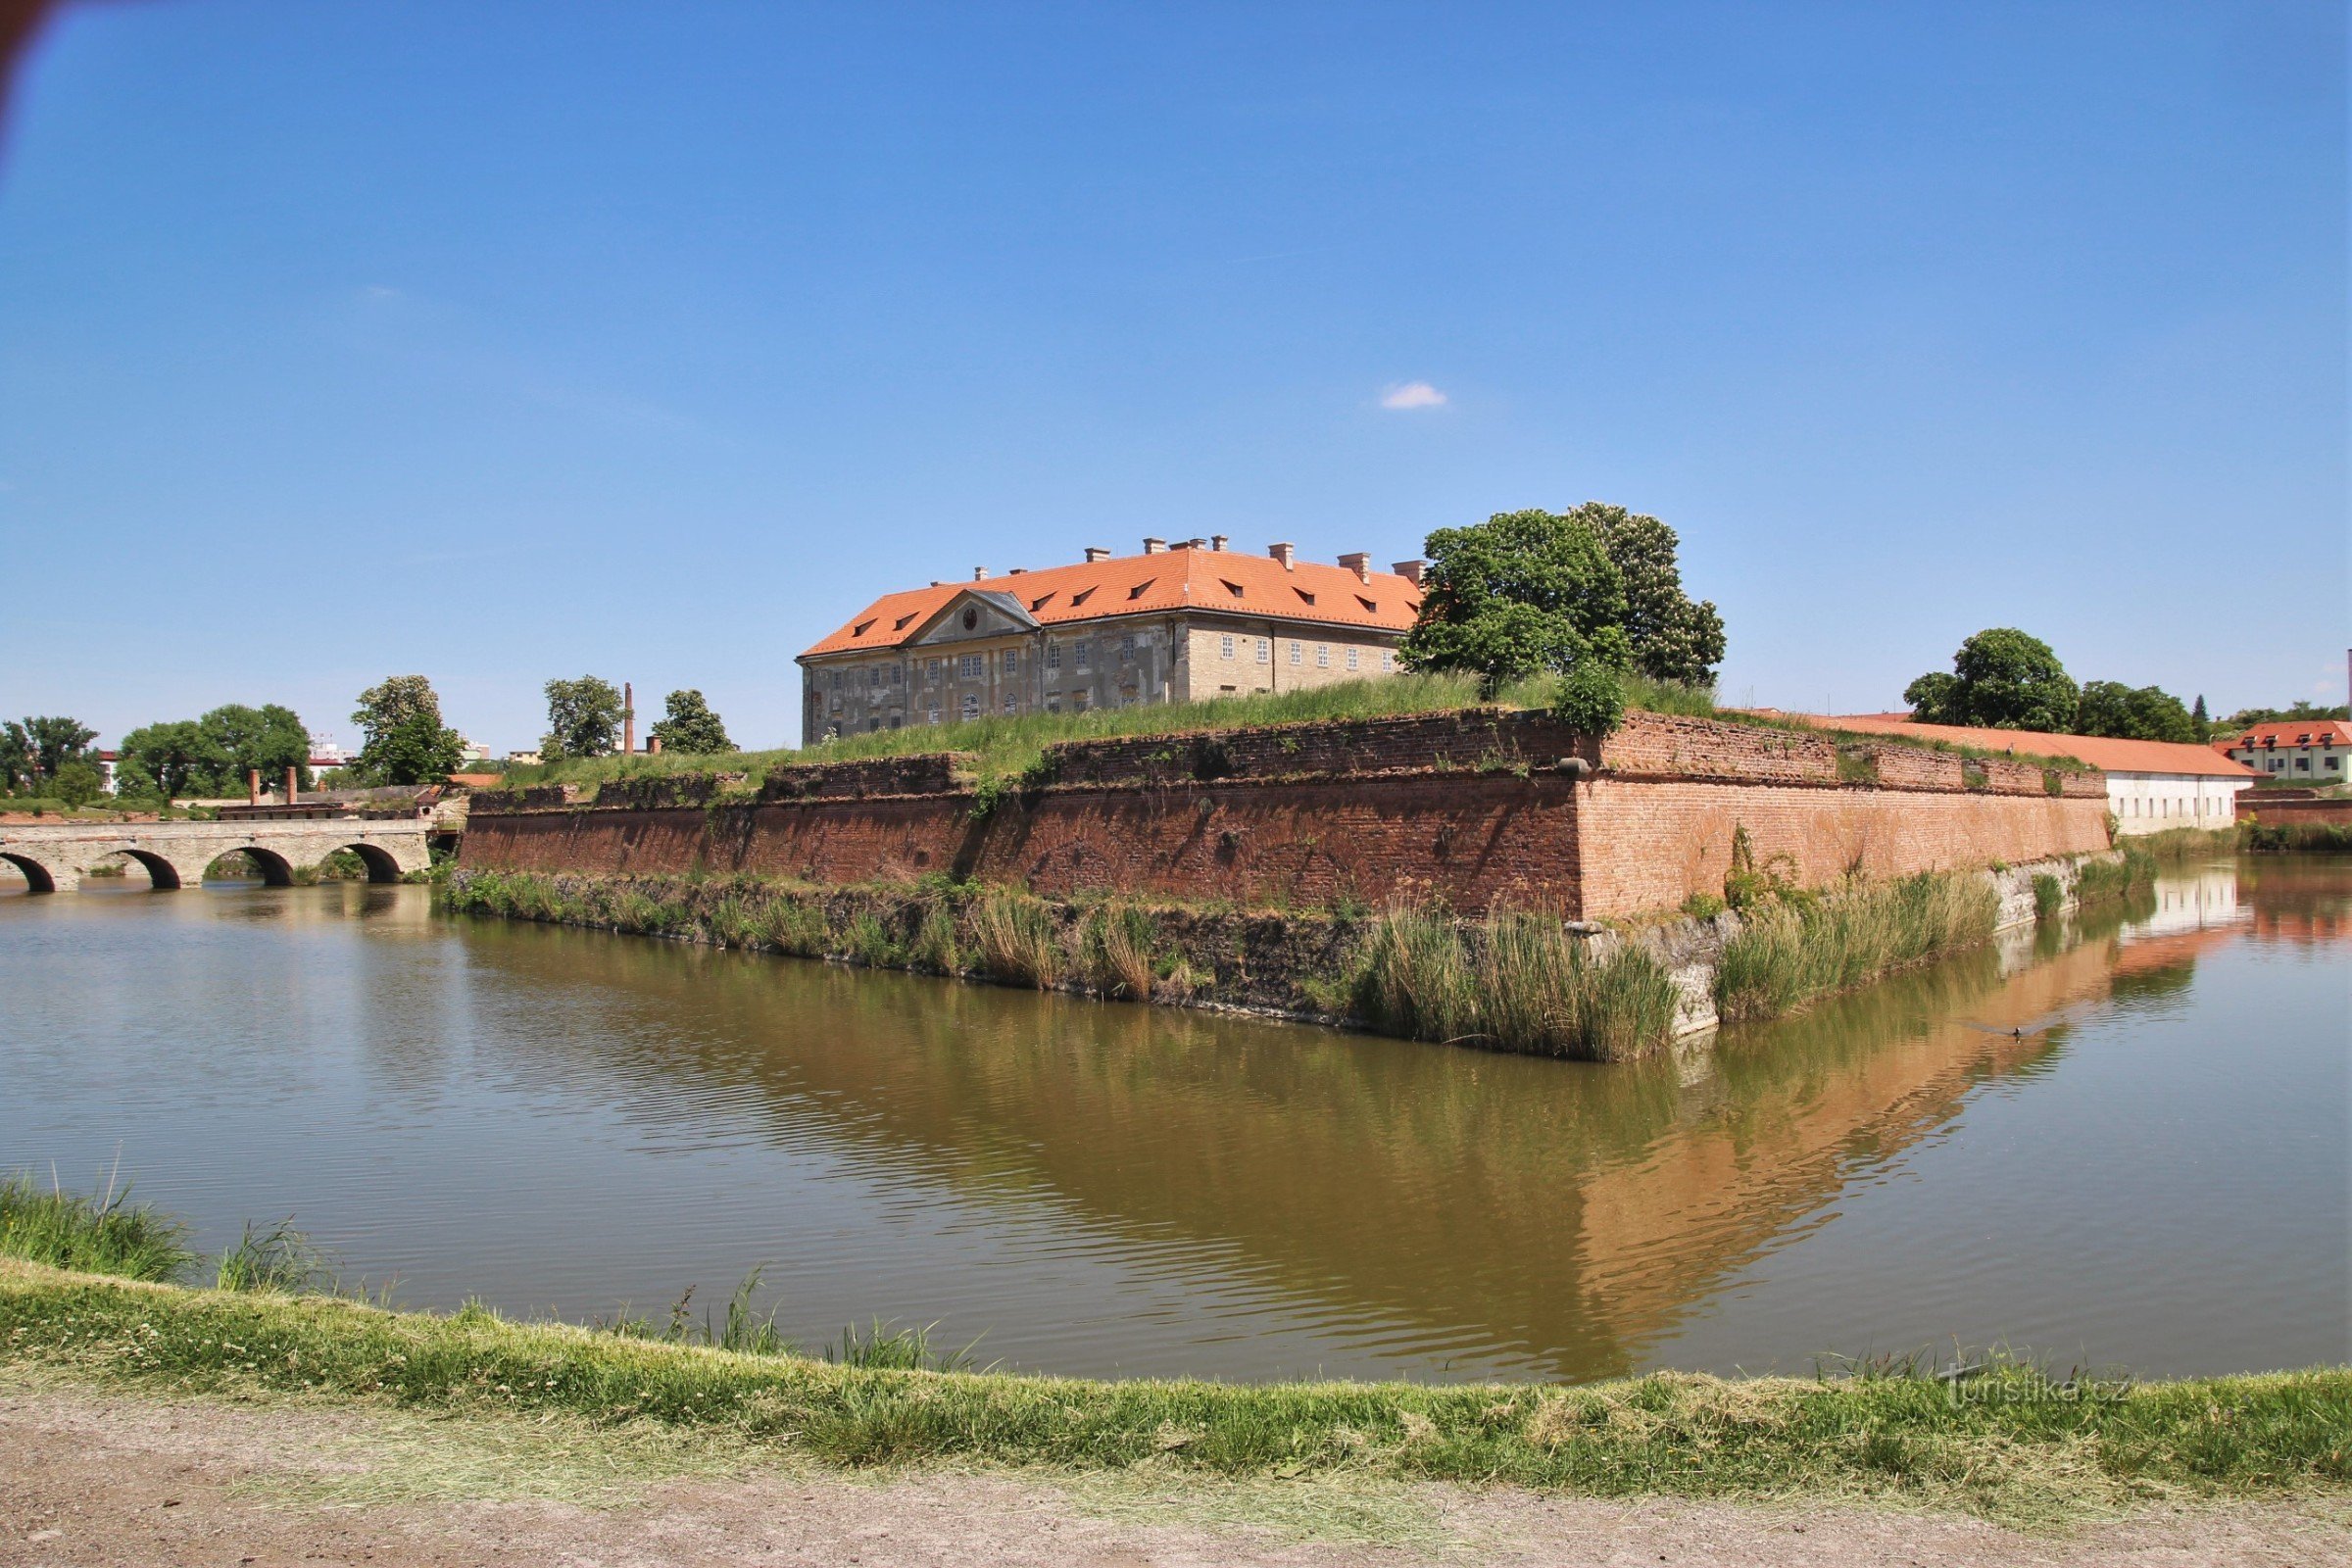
(1470, 808)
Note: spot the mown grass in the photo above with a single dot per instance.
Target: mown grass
(1516, 981)
(2006, 1441)
(1789, 951)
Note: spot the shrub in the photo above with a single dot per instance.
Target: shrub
(1591, 700)
(2048, 895)
(2101, 880)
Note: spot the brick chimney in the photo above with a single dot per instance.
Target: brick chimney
(979, 574)
(628, 716)
(1410, 570)
(1216, 541)
(1286, 554)
(253, 786)
(293, 783)
(1360, 562)
(1096, 553)
(1153, 547)
(652, 746)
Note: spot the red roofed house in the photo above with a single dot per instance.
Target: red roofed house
(1176, 623)
(2294, 750)
(2151, 785)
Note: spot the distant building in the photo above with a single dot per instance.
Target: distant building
(2151, 785)
(1177, 623)
(522, 758)
(2294, 751)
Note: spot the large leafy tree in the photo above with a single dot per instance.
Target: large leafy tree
(2296, 713)
(170, 760)
(1671, 638)
(77, 783)
(584, 718)
(15, 756)
(2000, 679)
(54, 741)
(2142, 714)
(269, 738)
(404, 741)
(687, 724)
(1522, 593)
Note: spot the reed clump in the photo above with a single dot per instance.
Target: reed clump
(1516, 981)
(1120, 951)
(1019, 940)
(1791, 950)
(101, 1233)
(2132, 871)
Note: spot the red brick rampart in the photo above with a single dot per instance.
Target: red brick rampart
(1474, 810)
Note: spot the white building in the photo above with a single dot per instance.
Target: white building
(2152, 786)
(2294, 751)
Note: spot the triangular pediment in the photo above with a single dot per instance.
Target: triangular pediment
(973, 613)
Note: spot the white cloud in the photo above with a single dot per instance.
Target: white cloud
(1412, 395)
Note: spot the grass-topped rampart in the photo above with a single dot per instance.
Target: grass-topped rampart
(2003, 1437)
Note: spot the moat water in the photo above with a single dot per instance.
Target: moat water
(2123, 1144)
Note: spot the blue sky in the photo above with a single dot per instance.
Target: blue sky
(503, 342)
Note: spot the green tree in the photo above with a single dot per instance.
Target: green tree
(404, 741)
(1522, 593)
(269, 738)
(55, 742)
(687, 724)
(15, 757)
(2299, 712)
(2002, 679)
(2202, 719)
(171, 760)
(1671, 638)
(2144, 713)
(76, 783)
(584, 718)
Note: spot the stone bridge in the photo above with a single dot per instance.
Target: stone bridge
(54, 858)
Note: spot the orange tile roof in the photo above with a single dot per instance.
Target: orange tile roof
(2095, 750)
(2288, 733)
(1184, 578)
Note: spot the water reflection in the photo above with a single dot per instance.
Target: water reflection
(560, 1118)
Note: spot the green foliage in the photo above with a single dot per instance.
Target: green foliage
(2294, 712)
(1787, 952)
(2316, 838)
(16, 767)
(1703, 906)
(688, 725)
(52, 742)
(1118, 943)
(2202, 719)
(2147, 714)
(1521, 594)
(404, 741)
(2002, 679)
(2048, 895)
(1672, 639)
(279, 1259)
(1517, 982)
(883, 1348)
(1019, 940)
(102, 1233)
(2131, 871)
(584, 718)
(78, 784)
(1591, 700)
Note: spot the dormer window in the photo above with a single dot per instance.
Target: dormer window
(1303, 595)
(1371, 607)
(1081, 597)
(1040, 603)
(1233, 588)
(1142, 588)
(901, 623)
(862, 628)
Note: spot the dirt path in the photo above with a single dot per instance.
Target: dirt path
(89, 1479)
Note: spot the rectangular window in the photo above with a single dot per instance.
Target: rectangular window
(897, 674)
(1322, 656)
(1265, 651)
(1127, 650)
(1298, 652)
(971, 706)
(1350, 659)
(1052, 656)
(1013, 661)
(1225, 647)
(1086, 652)
(968, 666)
(1387, 659)
(873, 677)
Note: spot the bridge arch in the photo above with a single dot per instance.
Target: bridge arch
(380, 864)
(276, 871)
(162, 874)
(37, 875)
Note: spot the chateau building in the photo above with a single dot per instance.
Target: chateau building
(1177, 623)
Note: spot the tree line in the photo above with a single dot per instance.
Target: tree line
(2003, 679)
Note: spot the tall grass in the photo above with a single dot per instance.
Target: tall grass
(2133, 870)
(104, 1233)
(277, 1259)
(1518, 982)
(1019, 938)
(1118, 946)
(1788, 952)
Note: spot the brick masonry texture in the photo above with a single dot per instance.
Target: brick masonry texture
(1466, 809)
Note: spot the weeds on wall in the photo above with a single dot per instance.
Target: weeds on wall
(1788, 952)
(2049, 894)
(1516, 982)
(2101, 880)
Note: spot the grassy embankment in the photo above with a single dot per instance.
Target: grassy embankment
(2003, 1439)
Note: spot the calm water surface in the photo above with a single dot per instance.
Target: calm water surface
(2152, 1174)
